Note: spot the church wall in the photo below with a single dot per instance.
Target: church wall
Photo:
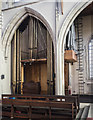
(41, 8)
(48, 11)
(87, 32)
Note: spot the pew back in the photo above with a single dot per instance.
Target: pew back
(30, 106)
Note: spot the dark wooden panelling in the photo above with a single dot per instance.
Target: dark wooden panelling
(66, 73)
(37, 72)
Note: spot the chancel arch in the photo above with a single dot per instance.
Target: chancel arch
(16, 21)
(32, 58)
(32, 53)
(77, 9)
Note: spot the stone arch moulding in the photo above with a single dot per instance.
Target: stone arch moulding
(16, 21)
(75, 11)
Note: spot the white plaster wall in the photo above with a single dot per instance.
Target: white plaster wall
(67, 7)
(46, 9)
(4, 66)
(74, 78)
(86, 37)
(5, 70)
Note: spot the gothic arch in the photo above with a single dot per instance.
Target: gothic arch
(76, 10)
(16, 21)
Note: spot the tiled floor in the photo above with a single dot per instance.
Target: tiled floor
(90, 115)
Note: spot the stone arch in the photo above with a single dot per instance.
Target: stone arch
(75, 11)
(16, 21)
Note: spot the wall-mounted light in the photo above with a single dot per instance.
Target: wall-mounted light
(2, 77)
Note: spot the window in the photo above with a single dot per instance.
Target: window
(16, 0)
(90, 50)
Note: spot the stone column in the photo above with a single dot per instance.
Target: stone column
(1, 89)
(59, 83)
(60, 88)
(0, 19)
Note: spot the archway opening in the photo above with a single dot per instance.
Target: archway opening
(32, 59)
(78, 57)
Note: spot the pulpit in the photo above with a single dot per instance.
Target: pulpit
(70, 56)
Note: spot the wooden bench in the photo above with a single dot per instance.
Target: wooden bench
(72, 99)
(39, 106)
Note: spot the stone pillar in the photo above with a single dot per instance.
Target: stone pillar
(60, 88)
(92, 38)
(59, 55)
(56, 66)
(0, 47)
(0, 18)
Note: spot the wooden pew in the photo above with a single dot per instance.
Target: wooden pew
(26, 106)
(72, 99)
